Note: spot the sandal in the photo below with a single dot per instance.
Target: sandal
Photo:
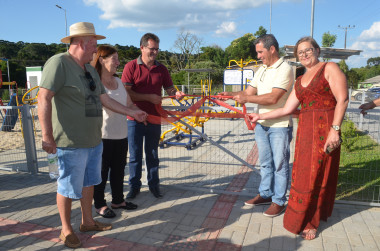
(108, 213)
(128, 206)
(309, 234)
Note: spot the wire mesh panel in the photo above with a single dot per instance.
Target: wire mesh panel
(216, 164)
(12, 147)
(222, 156)
(359, 174)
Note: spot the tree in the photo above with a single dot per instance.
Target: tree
(373, 61)
(328, 40)
(242, 48)
(188, 44)
(352, 79)
(215, 54)
(343, 66)
(34, 51)
(262, 31)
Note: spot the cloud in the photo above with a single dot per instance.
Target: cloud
(226, 29)
(196, 16)
(369, 43)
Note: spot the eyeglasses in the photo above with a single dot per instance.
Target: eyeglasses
(153, 49)
(92, 82)
(307, 51)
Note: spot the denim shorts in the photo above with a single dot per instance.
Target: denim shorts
(78, 168)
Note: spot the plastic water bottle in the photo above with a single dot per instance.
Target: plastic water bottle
(144, 173)
(53, 165)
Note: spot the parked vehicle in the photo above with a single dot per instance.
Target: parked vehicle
(370, 94)
(358, 92)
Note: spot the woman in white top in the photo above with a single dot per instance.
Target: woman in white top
(114, 135)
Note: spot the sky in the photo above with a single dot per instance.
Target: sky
(215, 22)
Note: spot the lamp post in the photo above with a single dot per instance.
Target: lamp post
(65, 21)
(312, 18)
(270, 18)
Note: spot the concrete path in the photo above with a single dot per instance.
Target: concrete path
(181, 220)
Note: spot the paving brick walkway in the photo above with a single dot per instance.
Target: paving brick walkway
(182, 220)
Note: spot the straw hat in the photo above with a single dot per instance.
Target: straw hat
(81, 29)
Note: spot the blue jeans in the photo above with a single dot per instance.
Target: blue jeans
(273, 145)
(137, 132)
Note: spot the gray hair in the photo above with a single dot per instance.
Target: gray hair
(268, 40)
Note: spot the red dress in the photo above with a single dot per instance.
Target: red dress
(315, 174)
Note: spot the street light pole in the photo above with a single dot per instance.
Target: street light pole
(345, 32)
(270, 18)
(65, 21)
(312, 18)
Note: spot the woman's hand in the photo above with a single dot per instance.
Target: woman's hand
(332, 140)
(253, 117)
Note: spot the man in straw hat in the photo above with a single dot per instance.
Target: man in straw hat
(70, 111)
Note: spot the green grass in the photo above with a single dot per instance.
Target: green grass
(359, 172)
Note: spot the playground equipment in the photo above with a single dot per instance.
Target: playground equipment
(10, 116)
(194, 111)
(239, 76)
(180, 130)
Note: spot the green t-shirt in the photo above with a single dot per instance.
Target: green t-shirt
(76, 110)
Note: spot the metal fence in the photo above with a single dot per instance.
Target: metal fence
(221, 156)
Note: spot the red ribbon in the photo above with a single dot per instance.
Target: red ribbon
(174, 116)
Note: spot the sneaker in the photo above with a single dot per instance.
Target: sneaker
(258, 200)
(274, 210)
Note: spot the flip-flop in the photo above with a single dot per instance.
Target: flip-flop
(128, 206)
(108, 213)
(309, 234)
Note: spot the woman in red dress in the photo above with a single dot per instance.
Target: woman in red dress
(322, 94)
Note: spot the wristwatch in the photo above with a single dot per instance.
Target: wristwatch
(336, 128)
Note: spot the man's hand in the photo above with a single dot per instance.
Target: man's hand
(48, 145)
(367, 106)
(224, 94)
(241, 98)
(155, 99)
(179, 95)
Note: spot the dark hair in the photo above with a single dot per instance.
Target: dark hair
(103, 51)
(144, 39)
(268, 40)
(306, 39)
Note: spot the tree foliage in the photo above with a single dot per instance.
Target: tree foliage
(352, 79)
(262, 31)
(214, 54)
(343, 66)
(242, 48)
(192, 54)
(373, 61)
(189, 46)
(328, 40)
